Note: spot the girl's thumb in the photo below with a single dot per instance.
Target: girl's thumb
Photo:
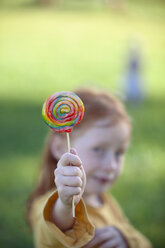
(73, 151)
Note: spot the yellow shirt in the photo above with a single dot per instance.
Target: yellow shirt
(48, 235)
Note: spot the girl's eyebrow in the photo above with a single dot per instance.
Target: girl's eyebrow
(101, 143)
(123, 147)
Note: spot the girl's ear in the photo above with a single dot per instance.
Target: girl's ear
(57, 146)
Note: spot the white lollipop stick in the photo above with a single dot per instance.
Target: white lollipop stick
(68, 141)
(73, 206)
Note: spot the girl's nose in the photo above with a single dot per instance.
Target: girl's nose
(109, 162)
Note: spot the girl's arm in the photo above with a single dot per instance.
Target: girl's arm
(70, 181)
(47, 234)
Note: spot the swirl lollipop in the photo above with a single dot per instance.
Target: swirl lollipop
(61, 111)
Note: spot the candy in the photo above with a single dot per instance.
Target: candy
(62, 111)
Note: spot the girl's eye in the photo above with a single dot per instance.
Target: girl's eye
(119, 153)
(98, 149)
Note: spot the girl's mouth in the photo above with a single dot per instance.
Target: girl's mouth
(103, 180)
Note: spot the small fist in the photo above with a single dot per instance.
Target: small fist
(70, 178)
(107, 237)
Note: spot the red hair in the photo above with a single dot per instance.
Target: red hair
(98, 105)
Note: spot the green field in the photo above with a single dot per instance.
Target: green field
(43, 50)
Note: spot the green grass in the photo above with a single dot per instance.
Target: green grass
(47, 50)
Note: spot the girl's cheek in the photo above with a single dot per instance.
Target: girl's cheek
(88, 170)
(120, 168)
(91, 168)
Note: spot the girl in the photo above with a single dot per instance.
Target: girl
(87, 172)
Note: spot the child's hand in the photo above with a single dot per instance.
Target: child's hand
(107, 237)
(70, 178)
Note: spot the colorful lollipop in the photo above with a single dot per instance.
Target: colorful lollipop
(61, 112)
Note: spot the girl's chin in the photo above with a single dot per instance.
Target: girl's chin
(99, 190)
(105, 188)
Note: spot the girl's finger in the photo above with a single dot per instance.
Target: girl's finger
(113, 243)
(69, 191)
(122, 246)
(68, 159)
(98, 240)
(68, 171)
(109, 230)
(73, 151)
(73, 181)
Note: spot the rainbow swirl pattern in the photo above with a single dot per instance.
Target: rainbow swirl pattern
(62, 111)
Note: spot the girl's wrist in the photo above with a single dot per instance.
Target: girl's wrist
(66, 208)
(62, 215)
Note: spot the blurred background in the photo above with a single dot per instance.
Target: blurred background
(59, 45)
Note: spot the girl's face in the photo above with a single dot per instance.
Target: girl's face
(101, 149)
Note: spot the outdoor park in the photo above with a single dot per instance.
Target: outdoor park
(51, 46)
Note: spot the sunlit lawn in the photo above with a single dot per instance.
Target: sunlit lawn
(42, 51)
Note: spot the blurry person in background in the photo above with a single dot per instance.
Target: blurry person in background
(133, 84)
